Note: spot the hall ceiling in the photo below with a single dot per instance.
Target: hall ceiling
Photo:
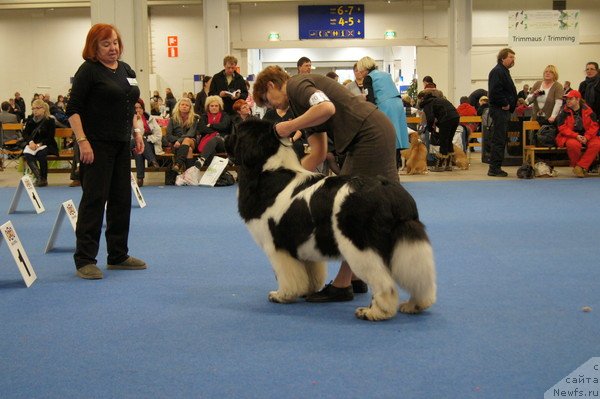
(28, 4)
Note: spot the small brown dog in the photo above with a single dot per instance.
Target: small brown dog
(460, 158)
(415, 156)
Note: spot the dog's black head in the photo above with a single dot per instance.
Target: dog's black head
(525, 172)
(253, 142)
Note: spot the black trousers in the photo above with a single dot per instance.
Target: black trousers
(500, 119)
(106, 181)
(447, 131)
(41, 157)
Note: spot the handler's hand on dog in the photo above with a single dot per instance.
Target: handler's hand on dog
(283, 129)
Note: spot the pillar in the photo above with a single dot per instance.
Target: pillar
(460, 28)
(131, 19)
(216, 34)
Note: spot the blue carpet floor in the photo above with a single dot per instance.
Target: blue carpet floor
(517, 261)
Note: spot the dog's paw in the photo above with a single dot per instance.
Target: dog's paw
(410, 308)
(365, 313)
(276, 297)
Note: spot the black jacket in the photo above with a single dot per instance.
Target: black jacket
(44, 134)
(223, 127)
(502, 90)
(200, 102)
(20, 102)
(170, 103)
(104, 100)
(175, 132)
(219, 83)
(592, 97)
(438, 110)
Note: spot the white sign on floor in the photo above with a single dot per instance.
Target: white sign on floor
(18, 252)
(69, 210)
(137, 192)
(26, 184)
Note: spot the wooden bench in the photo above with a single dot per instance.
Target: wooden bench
(529, 148)
(478, 135)
(413, 119)
(62, 135)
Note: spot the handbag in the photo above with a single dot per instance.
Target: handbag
(546, 136)
(226, 179)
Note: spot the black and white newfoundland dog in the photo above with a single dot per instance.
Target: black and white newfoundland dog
(303, 219)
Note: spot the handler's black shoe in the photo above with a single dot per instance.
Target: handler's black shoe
(331, 294)
(359, 287)
(497, 173)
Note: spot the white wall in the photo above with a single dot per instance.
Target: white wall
(186, 23)
(41, 50)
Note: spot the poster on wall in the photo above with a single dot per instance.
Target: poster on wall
(543, 28)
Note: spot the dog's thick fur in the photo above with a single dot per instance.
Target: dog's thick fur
(303, 219)
(415, 156)
(460, 158)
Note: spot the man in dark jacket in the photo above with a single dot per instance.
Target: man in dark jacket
(226, 83)
(503, 101)
(590, 87)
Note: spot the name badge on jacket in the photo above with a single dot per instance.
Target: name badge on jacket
(132, 81)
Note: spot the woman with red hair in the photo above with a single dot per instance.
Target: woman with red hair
(101, 114)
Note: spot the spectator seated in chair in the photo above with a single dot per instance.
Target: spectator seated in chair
(215, 125)
(578, 127)
(466, 109)
(522, 107)
(152, 136)
(5, 115)
(38, 137)
(182, 130)
(243, 112)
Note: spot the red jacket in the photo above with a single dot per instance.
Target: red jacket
(566, 124)
(466, 109)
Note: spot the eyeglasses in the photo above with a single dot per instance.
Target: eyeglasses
(590, 69)
(37, 108)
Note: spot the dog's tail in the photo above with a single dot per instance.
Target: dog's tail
(413, 265)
